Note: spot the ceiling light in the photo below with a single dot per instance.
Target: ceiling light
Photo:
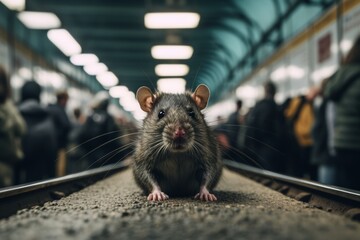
(95, 69)
(171, 52)
(25, 73)
(172, 20)
(247, 92)
(63, 40)
(346, 45)
(107, 79)
(84, 59)
(171, 70)
(279, 74)
(130, 104)
(171, 85)
(295, 72)
(118, 91)
(39, 20)
(17, 5)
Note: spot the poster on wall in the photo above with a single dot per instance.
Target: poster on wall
(324, 53)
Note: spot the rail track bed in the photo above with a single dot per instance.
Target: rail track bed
(115, 208)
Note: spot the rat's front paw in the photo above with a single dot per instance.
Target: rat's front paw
(204, 195)
(157, 195)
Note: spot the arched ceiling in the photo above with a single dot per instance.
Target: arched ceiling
(232, 36)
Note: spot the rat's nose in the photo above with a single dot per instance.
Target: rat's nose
(179, 133)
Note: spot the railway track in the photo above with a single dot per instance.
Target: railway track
(329, 198)
(23, 196)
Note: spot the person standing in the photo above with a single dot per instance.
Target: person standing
(265, 134)
(39, 143)
(63, 128)
(343, 89)
(100, 136)
(12, 128)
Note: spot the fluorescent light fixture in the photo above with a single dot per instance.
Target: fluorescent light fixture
(247, 92)
(17, 81)
(107, 79)
(324, 72)
(17, 5)
(95, 69)
(84, 59)
(345, 45)
(25, 73)
(171, 85)
(171, 70)
(295, 72)
(118, 91)
(130, 105)
(39, 20)
(279, 74)
(171, 52)
(63, 40)
(169, 20)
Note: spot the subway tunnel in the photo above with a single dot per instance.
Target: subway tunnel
(97, 51)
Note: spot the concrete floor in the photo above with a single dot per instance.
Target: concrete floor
(116, 209)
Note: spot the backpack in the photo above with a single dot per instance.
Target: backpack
(98, 129)
(300, 120)
(40, 140)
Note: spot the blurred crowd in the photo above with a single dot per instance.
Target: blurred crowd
(314, 136)
(39, 142)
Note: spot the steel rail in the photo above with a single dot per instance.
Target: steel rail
(330, 198)
(23, 196)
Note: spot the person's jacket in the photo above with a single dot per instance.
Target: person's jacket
(12, 128)
(344, 89)
(39, 142)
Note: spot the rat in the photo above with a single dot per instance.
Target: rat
(176, 153)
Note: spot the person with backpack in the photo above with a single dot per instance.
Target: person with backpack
(12, 128)
(299, 114)
(39, 143)
(99, 137)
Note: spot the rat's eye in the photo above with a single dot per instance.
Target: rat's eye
(191, 112)
(161, 114)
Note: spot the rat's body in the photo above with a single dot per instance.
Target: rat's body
(176, 153)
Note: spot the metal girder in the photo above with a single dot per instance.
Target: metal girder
(266, 36)
(321, 3)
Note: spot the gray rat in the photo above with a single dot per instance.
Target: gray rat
(176, 154)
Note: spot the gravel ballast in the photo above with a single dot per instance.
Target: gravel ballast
(115, 208)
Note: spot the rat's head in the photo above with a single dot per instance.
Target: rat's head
(174, 121)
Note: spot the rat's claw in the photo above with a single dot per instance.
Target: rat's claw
(157, 195)
(204, 195)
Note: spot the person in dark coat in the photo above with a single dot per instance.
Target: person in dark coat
(343, 89)
(12, 128)
(265, 132)
(99, 137)
(63, 128)
(39, 143)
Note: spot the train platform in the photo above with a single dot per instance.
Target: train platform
(115, 208)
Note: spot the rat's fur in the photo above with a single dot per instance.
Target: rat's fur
(157, 160)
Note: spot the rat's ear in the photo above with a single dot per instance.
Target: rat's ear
(201, 96)
(145, 98)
